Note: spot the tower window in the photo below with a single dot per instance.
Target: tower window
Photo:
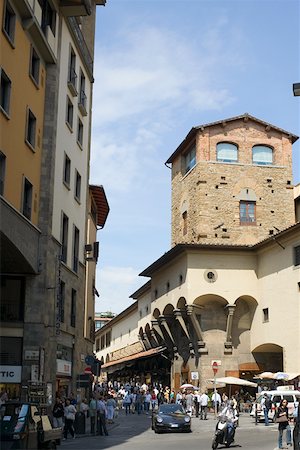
(190, 159)
(184, 218)
(227, 152)
(262, 155)
(247, 213)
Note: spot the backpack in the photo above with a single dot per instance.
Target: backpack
(268, 403)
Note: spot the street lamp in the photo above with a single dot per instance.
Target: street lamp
(296, 89)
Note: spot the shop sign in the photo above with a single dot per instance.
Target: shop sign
(63, 367)
(195, 375)
(10, 374)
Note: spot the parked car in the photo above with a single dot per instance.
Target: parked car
(292, 396)
(170, 417)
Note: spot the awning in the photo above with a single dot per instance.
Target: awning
(145, 354)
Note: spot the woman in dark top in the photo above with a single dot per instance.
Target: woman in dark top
(282, 411)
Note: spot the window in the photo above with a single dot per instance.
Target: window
(108, 338)
(265, 314)
(72, 76)
(67, 171)
(34, 69)
(64, 237)
(80, 132)
(12, 299)
(9, 22)
(75, 249)
(227, 152)
(30, 128)
(69, 113)
(190, 159)
(73, 308)
(2, 172)
(102, 342)
(184, 220)
(5, 92)
(82, 95)
(77, 185)
(61, 303)
(27, 199)
(297, 255)
(247, 213)
(262, 155)
(48, 16)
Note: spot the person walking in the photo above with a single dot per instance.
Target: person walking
(127, 402)
(58, 413)
(197, 403)
(69, 412)
(147, 402)
(138, 402)
(153, 400)
(216, 399)
(93, 414)
(110, 406)
(189, 403)
(204, 399)
(101, 417)
(282, 418)
(266, 405)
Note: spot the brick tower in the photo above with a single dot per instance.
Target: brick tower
(232, 182)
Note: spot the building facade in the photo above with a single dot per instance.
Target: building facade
(49, 213)
(220, 298)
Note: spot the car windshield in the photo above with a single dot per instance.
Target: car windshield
(171, 409)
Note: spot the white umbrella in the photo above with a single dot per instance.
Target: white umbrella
(265, 375)
(187, 386)
(236, 381)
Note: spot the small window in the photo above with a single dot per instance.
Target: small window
(80, 132)
(184, 223)
(247, 213)
(72, 76)
(64, 237)
(27, 199)
(9, 22)
(190, 159)
(82, 101)
(266, 315)
(69, 113)
(2, 172)
(75, 249)
(31, 128)
(5, 92)
(67, 171)
(62, 294)
(34, 69)
(77, 185)
(168, 286)
(73, 308)
(297, 255)
(227, 152)
(262, 155)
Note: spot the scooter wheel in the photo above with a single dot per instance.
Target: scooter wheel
(214, 444)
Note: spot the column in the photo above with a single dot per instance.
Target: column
(228, 343)
(191, 312)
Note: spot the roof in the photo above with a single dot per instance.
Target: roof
(100, 199)
(192, 133)
(180, 249)
(145, 354)
(120, 316)
(146, 287)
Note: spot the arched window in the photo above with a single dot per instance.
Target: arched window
(227, 152)
(261, 154)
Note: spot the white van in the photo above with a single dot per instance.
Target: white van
(292, 397)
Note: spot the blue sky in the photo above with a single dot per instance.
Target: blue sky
(162, 67)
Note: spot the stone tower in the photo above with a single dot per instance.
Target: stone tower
(232, 182)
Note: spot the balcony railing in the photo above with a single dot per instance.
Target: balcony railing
(82, 103)
(85, 54)
(72, 82)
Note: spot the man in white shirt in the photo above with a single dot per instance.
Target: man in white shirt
(204, 398)
(216, 399)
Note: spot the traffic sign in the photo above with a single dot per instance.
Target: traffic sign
(89, 360)
(88, 370)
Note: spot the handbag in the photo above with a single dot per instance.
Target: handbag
(281, 419)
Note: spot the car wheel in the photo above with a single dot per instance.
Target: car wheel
(157, 431)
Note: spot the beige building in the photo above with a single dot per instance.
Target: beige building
(229, 292)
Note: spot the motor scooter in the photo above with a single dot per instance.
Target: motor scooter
(221, 433)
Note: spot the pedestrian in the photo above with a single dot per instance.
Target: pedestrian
(84, 407)
(189, 403)
(197, 403)
(147, 402)
(138, 402)
(58, 413)
(160, 397)
(69, 412)
(127, 402)
(110, 405)
(216, 399)
(93, 414)
(204, 398)
(101, 417)
(73, 399)
(266, 405)
(224, 399)
(282, 418)
(178, 398)
(153, 400)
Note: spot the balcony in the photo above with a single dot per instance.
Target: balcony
(72, 82)
(73, 8)
(82, 103)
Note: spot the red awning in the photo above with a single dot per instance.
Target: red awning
(101, 203)
(145, 354)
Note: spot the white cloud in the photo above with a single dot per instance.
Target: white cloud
(112, 283)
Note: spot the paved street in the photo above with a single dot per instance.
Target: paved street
(134, 432)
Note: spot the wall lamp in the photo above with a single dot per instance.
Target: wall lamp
(296, 89)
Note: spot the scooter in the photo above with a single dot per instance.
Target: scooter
(221, 432)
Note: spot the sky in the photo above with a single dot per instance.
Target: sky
(162, 67)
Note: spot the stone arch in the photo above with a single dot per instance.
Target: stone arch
(245, 307)
(156, 313)
(181, 304)
(211, 313)
(269, 357)
(168, 310)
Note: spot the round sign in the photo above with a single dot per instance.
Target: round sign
(215, 367)
(87, 370)
(89, 360)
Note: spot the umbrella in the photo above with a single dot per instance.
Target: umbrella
(268, 375)
(236, 381)
(187, 386)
